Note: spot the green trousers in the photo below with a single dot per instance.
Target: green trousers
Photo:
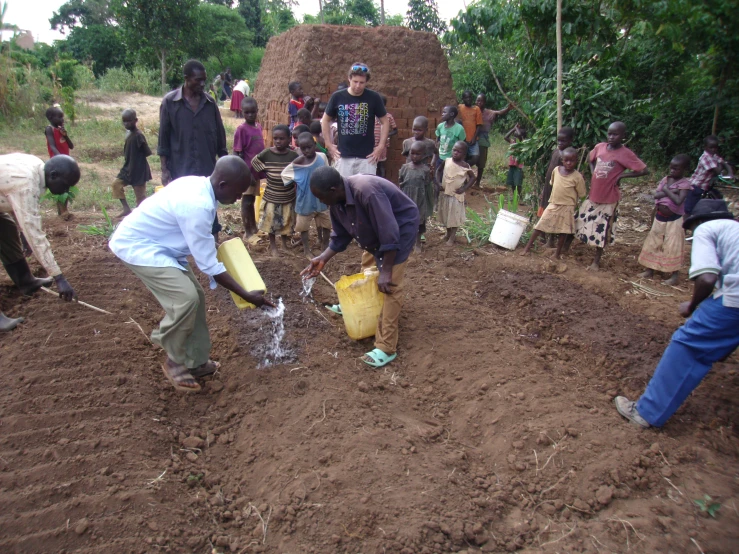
(11, 250)
(183, 333)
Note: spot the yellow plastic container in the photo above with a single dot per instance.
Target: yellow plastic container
(158, 188)
(361, 303)
(240, 266)
(258, 200)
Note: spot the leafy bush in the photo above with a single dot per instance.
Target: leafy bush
(25, 93)
(84, 77)
(139, 79)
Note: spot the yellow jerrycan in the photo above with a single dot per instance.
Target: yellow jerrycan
(258, 201)
(361, 303)
(158, 188)
(240, 266)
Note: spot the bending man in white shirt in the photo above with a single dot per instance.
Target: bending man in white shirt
(23, 179)
(154, 242)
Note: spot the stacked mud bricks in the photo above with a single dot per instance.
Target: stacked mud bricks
(408, 67)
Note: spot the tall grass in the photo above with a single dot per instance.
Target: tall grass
(139, 79)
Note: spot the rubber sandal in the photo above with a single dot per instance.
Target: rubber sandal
(208, 368)
(177, 377)
(379, 358)
(423, 238)
(336, 308)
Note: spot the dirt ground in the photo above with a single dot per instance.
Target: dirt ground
(493, 431)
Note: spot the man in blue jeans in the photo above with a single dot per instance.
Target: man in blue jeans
(711, 333)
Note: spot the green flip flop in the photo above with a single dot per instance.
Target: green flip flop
(379, 358)
(336, 308)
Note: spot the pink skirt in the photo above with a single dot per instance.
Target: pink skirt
(236, 99)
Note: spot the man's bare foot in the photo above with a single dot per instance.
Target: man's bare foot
(450, 242)
(66, 216)
(417, 249)
(594, 267)
(273, 251)
(648, 274)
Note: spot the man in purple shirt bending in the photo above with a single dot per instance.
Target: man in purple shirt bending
(384, 222)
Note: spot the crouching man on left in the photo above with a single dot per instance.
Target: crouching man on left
(23, 179)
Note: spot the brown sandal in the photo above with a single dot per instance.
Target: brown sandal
(208, 368)
(179, 375)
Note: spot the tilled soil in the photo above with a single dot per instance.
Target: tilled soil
(493, 431)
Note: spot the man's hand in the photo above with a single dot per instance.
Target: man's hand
(333, 150)
(66, 292)
(384, 282)
(315, 267)
(257, 298)
(166, 177)
(685, 309)
(377, 154)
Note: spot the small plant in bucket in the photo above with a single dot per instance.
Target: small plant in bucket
(511, 204)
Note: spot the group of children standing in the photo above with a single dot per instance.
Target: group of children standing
(594, 221)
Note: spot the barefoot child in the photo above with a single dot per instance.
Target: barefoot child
(514, 179)
(455, 176)
(596, 218)
(307, 207)
(568, 186)
(448, 133)
(420, 128)
(135, 170)
(277, 211)
(665, 245)
(565, 137)
(414, 180)
(248, 142)
(58, 143)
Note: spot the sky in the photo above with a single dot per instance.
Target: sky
(34, 15)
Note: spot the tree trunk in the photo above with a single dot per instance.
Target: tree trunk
(716, 110)
(320, 10)
(559, 65)
(163, 62)
(382, 12)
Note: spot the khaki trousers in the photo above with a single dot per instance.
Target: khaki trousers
(183, 333)
(386, 336)
(11, 250)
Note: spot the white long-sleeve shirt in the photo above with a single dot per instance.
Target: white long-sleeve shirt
(174, 223)
(22, 183)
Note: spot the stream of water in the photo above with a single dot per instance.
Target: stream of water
(274, 352)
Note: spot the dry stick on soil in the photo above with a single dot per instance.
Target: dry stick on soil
(319, 420)
(140, 329)
(562, 537)
(697, 545)
(85, 304)
(264, 523)
(327, 279)
(624, 522)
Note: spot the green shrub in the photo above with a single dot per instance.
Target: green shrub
(84, 77)
(139, 79)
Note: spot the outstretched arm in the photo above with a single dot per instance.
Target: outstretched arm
(631, 174)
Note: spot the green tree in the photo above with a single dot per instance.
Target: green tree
(219, 32)
(100, 44)
(423, 15)
(82, 12)
(253, 14)
(347, 12)
(159, 29)
(394, 20)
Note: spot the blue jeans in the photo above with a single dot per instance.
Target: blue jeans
(711, 333)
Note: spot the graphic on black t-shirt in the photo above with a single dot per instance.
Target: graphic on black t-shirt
(353, 118)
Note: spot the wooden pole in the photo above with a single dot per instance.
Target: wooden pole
(85, 304)
(382, 12)
(320, 10)
(559, 65)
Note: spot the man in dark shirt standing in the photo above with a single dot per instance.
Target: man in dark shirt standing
(191, 132)
(384, 222)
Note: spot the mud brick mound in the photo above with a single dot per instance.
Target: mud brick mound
(407, 66)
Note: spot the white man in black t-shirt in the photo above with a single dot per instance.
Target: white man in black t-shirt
(355, 110)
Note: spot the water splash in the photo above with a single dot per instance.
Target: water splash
(308, 288)
(274, 352)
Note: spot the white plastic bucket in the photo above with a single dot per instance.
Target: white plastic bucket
(508, 229)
